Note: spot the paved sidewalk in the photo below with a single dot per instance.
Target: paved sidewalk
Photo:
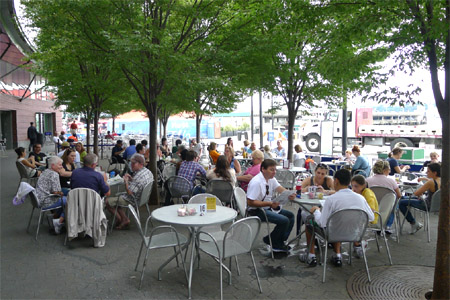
(47, 269)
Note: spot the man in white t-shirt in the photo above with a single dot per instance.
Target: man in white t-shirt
(259, 195)
(344, 198)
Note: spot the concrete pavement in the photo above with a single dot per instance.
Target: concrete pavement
(47, 269)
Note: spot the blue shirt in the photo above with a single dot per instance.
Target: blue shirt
(363, 164)
(129, 152)
(392, 163)
(88, 178)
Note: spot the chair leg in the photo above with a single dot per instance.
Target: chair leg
(29, 221)
(325, 261)
(376, 238)
(139, 256)
(350, 246)
(39, 224)
(365, 262)
(397, 226)
(237, 266)
(176, 255)
(114, 217)
(428, 226)
(387, 248)
(65, 239)
(143, 268)
(256, 272)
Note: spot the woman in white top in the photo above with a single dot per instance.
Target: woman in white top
(299, 153)
(29, 164)
(222, 171)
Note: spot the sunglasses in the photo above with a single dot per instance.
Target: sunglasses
(267, 190)
(322, 166)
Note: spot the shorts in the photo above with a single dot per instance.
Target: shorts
(112, 201)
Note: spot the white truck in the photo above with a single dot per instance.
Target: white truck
(368, 127)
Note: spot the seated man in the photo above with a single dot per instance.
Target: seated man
(134, 185)
(116, 151)
(259, 195)
(66, 145)
(130, 150)
(87, 177)
(344, 198)
(38, 155)
(190, 168)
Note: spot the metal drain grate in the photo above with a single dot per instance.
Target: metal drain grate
(393, 282)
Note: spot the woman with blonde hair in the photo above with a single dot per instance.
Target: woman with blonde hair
(299, 153)
(234, 163)
(80, 149)
(267, 153)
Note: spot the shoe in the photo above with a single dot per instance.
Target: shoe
(415, 227)
(57, 226)
(337, 261)
(358, 251)
(281, 248)
(304, 257)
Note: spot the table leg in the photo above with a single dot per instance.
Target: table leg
(191, 263)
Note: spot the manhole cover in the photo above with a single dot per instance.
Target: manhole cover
(394, 282)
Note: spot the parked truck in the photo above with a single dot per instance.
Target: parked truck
(368, 127)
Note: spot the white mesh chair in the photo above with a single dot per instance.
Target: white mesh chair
(42, 210)
(380, 192)
(299, 163)
(222, 189)
(179, 188)
(215, 230)
(346, 225)
(238, 239)
(143, 200)
(241, 201)
(317, 159)
(285, 178)
(169, 171)
(312, 166)
(385, 207)
(164, 236)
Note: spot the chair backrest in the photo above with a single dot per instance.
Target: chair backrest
(386, 205)
(179, 186)
(317, 159)
(34, 199)
(169, 171)
(299, 163)
(201, 199)
(145, 195)
(241, 200)
(435, 201)
(347, 225)
(285, 178)
(221, 188)
(380, 191)
(241, 236)
(22, 170)
(211, 161)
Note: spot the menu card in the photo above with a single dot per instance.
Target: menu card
(210, 204)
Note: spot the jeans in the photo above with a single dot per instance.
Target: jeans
(416, 203)
(61, 201)
(284, 221)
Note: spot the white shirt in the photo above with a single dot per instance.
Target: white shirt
(342, 199)
(257, 188)
(299, 155)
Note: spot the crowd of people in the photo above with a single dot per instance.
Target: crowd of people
(348, 188)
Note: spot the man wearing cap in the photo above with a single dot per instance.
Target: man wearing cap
(65, 145)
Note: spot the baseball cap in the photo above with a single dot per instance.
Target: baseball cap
(65, 144)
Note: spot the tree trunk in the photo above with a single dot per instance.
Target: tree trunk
(442, 265)
(88, 133)
(153, 129)
(96, 118)
(113, 123)
(291, 118)
(198, 121)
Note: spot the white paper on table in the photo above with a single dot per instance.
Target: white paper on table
(116, 180)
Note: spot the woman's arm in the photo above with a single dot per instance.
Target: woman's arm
(237, 166)
(306, 183)
(29, 163)
(357, 164)
(420, 191)
(398, 192)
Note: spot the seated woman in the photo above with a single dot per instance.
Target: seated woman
(165, 147)
(29, 164)
(429, 188)
(257, 159)
(213, 152)
(222, 171)
(348, 157)
(48, 183)
(324, 184)
(361, 163)
(434, 158)
(359, 186)
(234, 163)
(299, 153)
(246, 147)
(381, 171)
(68, 166)
(80, 149)
(394, 156)
(267, 154)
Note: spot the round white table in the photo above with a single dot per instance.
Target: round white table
(293, 169)
(169, 215)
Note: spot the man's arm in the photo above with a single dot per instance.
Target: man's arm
(259, 203)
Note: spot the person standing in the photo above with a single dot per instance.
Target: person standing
(32, 135)
(73, 127)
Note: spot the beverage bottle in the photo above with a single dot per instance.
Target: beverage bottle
(111, 174)
(298, 189)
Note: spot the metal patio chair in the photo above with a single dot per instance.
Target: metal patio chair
(222, 189)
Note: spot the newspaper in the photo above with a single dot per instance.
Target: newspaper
(283, 199)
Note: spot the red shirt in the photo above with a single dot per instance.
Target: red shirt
(73, 126)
